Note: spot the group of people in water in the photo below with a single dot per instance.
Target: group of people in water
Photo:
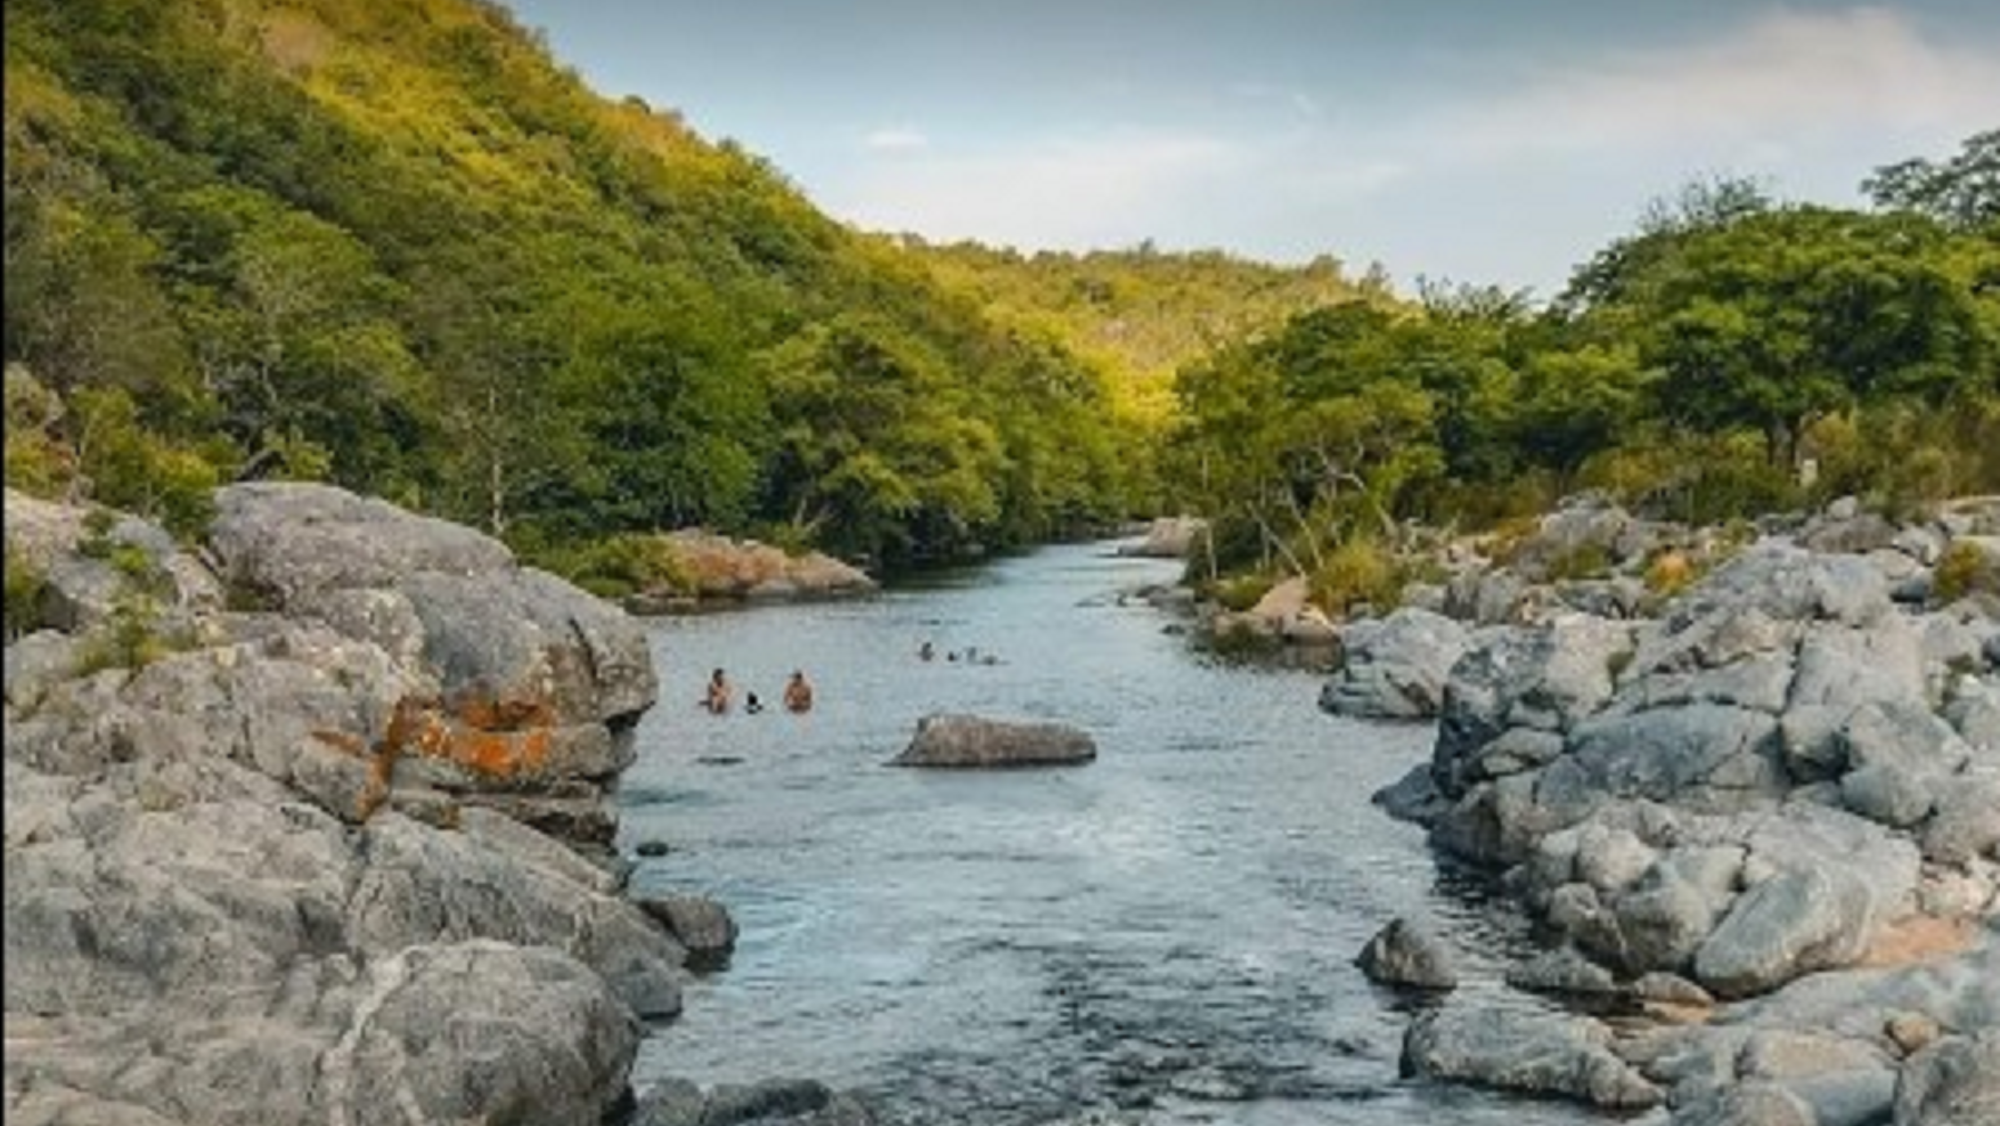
(720, 695)
(972, 656)
(798, 697)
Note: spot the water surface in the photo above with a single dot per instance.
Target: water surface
(1169, 928)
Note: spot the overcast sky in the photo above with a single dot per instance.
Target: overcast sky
(1486, 141)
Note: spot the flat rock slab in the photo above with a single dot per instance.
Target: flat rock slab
(965, 741)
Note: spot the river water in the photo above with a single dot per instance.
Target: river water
(1168, 929)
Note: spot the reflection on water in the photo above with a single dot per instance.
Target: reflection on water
(1168, 929)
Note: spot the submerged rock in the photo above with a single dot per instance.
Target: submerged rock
(971, 741)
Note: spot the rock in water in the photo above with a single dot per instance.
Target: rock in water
(970, 741)
(1403, 953)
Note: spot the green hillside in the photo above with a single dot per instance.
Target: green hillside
(1142, 314)
(393, 244)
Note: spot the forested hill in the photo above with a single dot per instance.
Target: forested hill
(394, 244)
(1142, 314)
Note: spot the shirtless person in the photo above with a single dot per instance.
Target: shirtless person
(717, 698)
(798, 693)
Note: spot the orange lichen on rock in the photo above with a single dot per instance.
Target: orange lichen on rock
(499, 754)
(1919, 939)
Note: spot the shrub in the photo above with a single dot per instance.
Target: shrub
(1357, 571)
(25, 583)
(1964, 569)
(617, 566)
(1240, 592)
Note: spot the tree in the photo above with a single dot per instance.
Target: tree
(1962, 193)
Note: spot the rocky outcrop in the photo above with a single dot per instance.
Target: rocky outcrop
(1395, 667)
(277, 855)
(971, 741)
(715, 569)
(1168, 537)
(1779, 790)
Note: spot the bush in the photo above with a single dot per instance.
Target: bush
(1358, 571)
(616, 567)
(25, 583)
(1964, 569)
(1241, 592)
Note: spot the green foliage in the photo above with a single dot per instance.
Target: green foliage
(25, 584)
(39, 462)
(1965, 568)
(1240, 593)
(131, 468)
(1359, 571)
(1962, 192)
(618, 566)
(394, 246)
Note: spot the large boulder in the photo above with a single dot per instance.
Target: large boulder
(1395, 667)
(972, 741)
(519, 691)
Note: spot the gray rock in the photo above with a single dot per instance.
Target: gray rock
(1789, 925)
(1966, 823)
(289, 540)
(1533, 1053)
(1955, 1082)
(1395, 668)
(971, 741)
(1750, 1104)
(699, 924)
(1563, 971)
(1543, 680)
(772, 1102)
(221, 905)
(1404, 953)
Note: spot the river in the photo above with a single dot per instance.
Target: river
(1168, 928)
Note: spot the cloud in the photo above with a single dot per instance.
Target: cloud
(1070, 192)
(895, 139)
(1782, 74)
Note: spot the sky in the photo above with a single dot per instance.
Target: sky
(1487, 142)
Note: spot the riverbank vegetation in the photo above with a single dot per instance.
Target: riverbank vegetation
(1735, 356)
(396, 246)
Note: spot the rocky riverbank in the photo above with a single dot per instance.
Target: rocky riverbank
(312, 823)
(712, 571)
(1756, 810)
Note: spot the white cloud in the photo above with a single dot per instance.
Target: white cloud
(1782, 74)
(895, 139)
(1065, 192)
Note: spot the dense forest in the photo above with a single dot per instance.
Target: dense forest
(1734, 356)
(394, 245)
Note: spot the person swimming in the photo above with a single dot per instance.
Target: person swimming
(751, 704)
(716, 699)
(798, 693)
